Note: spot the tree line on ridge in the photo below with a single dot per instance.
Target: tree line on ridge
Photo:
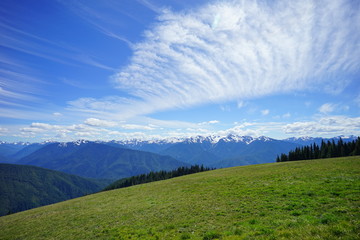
(156, 176)
(327, 149)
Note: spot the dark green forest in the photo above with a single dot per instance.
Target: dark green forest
(328, 149)
(25, 187)
(156, 176)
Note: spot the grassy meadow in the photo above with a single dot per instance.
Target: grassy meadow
(316, 199)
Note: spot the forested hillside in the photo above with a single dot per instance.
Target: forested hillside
(24, 187)
(327, 149)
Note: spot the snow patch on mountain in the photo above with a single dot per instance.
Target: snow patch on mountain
(212, 139)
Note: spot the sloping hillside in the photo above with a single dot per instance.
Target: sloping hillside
(28, 150)
(96, 160)
(24, 187)
(7, 149)
(316, 199)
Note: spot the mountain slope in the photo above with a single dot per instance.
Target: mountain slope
(96, 160)
(7, 149)
(24, 187)
(316, 199)
(256, 152)
(228, 151)
(192, 153)
(4, 159)
(28, 150)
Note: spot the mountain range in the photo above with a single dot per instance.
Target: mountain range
(223, 151)
(118, 159)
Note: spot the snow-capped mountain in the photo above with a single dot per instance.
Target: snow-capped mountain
(213, 139)
(213, 150)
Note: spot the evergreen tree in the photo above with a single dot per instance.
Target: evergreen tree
(156, 176)
(356, 147)
(284, 157)
(326, 150)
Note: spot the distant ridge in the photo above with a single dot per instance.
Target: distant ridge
(317, 140)
(98, 160)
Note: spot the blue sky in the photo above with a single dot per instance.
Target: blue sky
(103, 70)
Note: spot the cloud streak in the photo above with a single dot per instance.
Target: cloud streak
(327, 108)
(254, 49)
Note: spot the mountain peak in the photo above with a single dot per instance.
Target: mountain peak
(212, 139)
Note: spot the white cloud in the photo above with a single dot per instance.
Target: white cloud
(99, 123)
(265, 112)
(57, 114)
(327, 108)
(9, 94)
(44, 126)
(86, 134)
(3, 131)
(67, 132)
(61, 135)
(229, 50)
(242, 131)
(209, 122)
(286, 115)
(241, 104)
(225, 108)
(137, 126)
(357, 100)
(326, 126)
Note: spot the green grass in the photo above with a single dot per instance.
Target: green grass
(317, 199)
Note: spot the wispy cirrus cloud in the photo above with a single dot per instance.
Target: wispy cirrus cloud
(104, 16)
(327, 108)
(22, 82)
(223, 51)
(229, 51)
(13, 37)
(17, 86)
(151, 6)
(265, 112)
